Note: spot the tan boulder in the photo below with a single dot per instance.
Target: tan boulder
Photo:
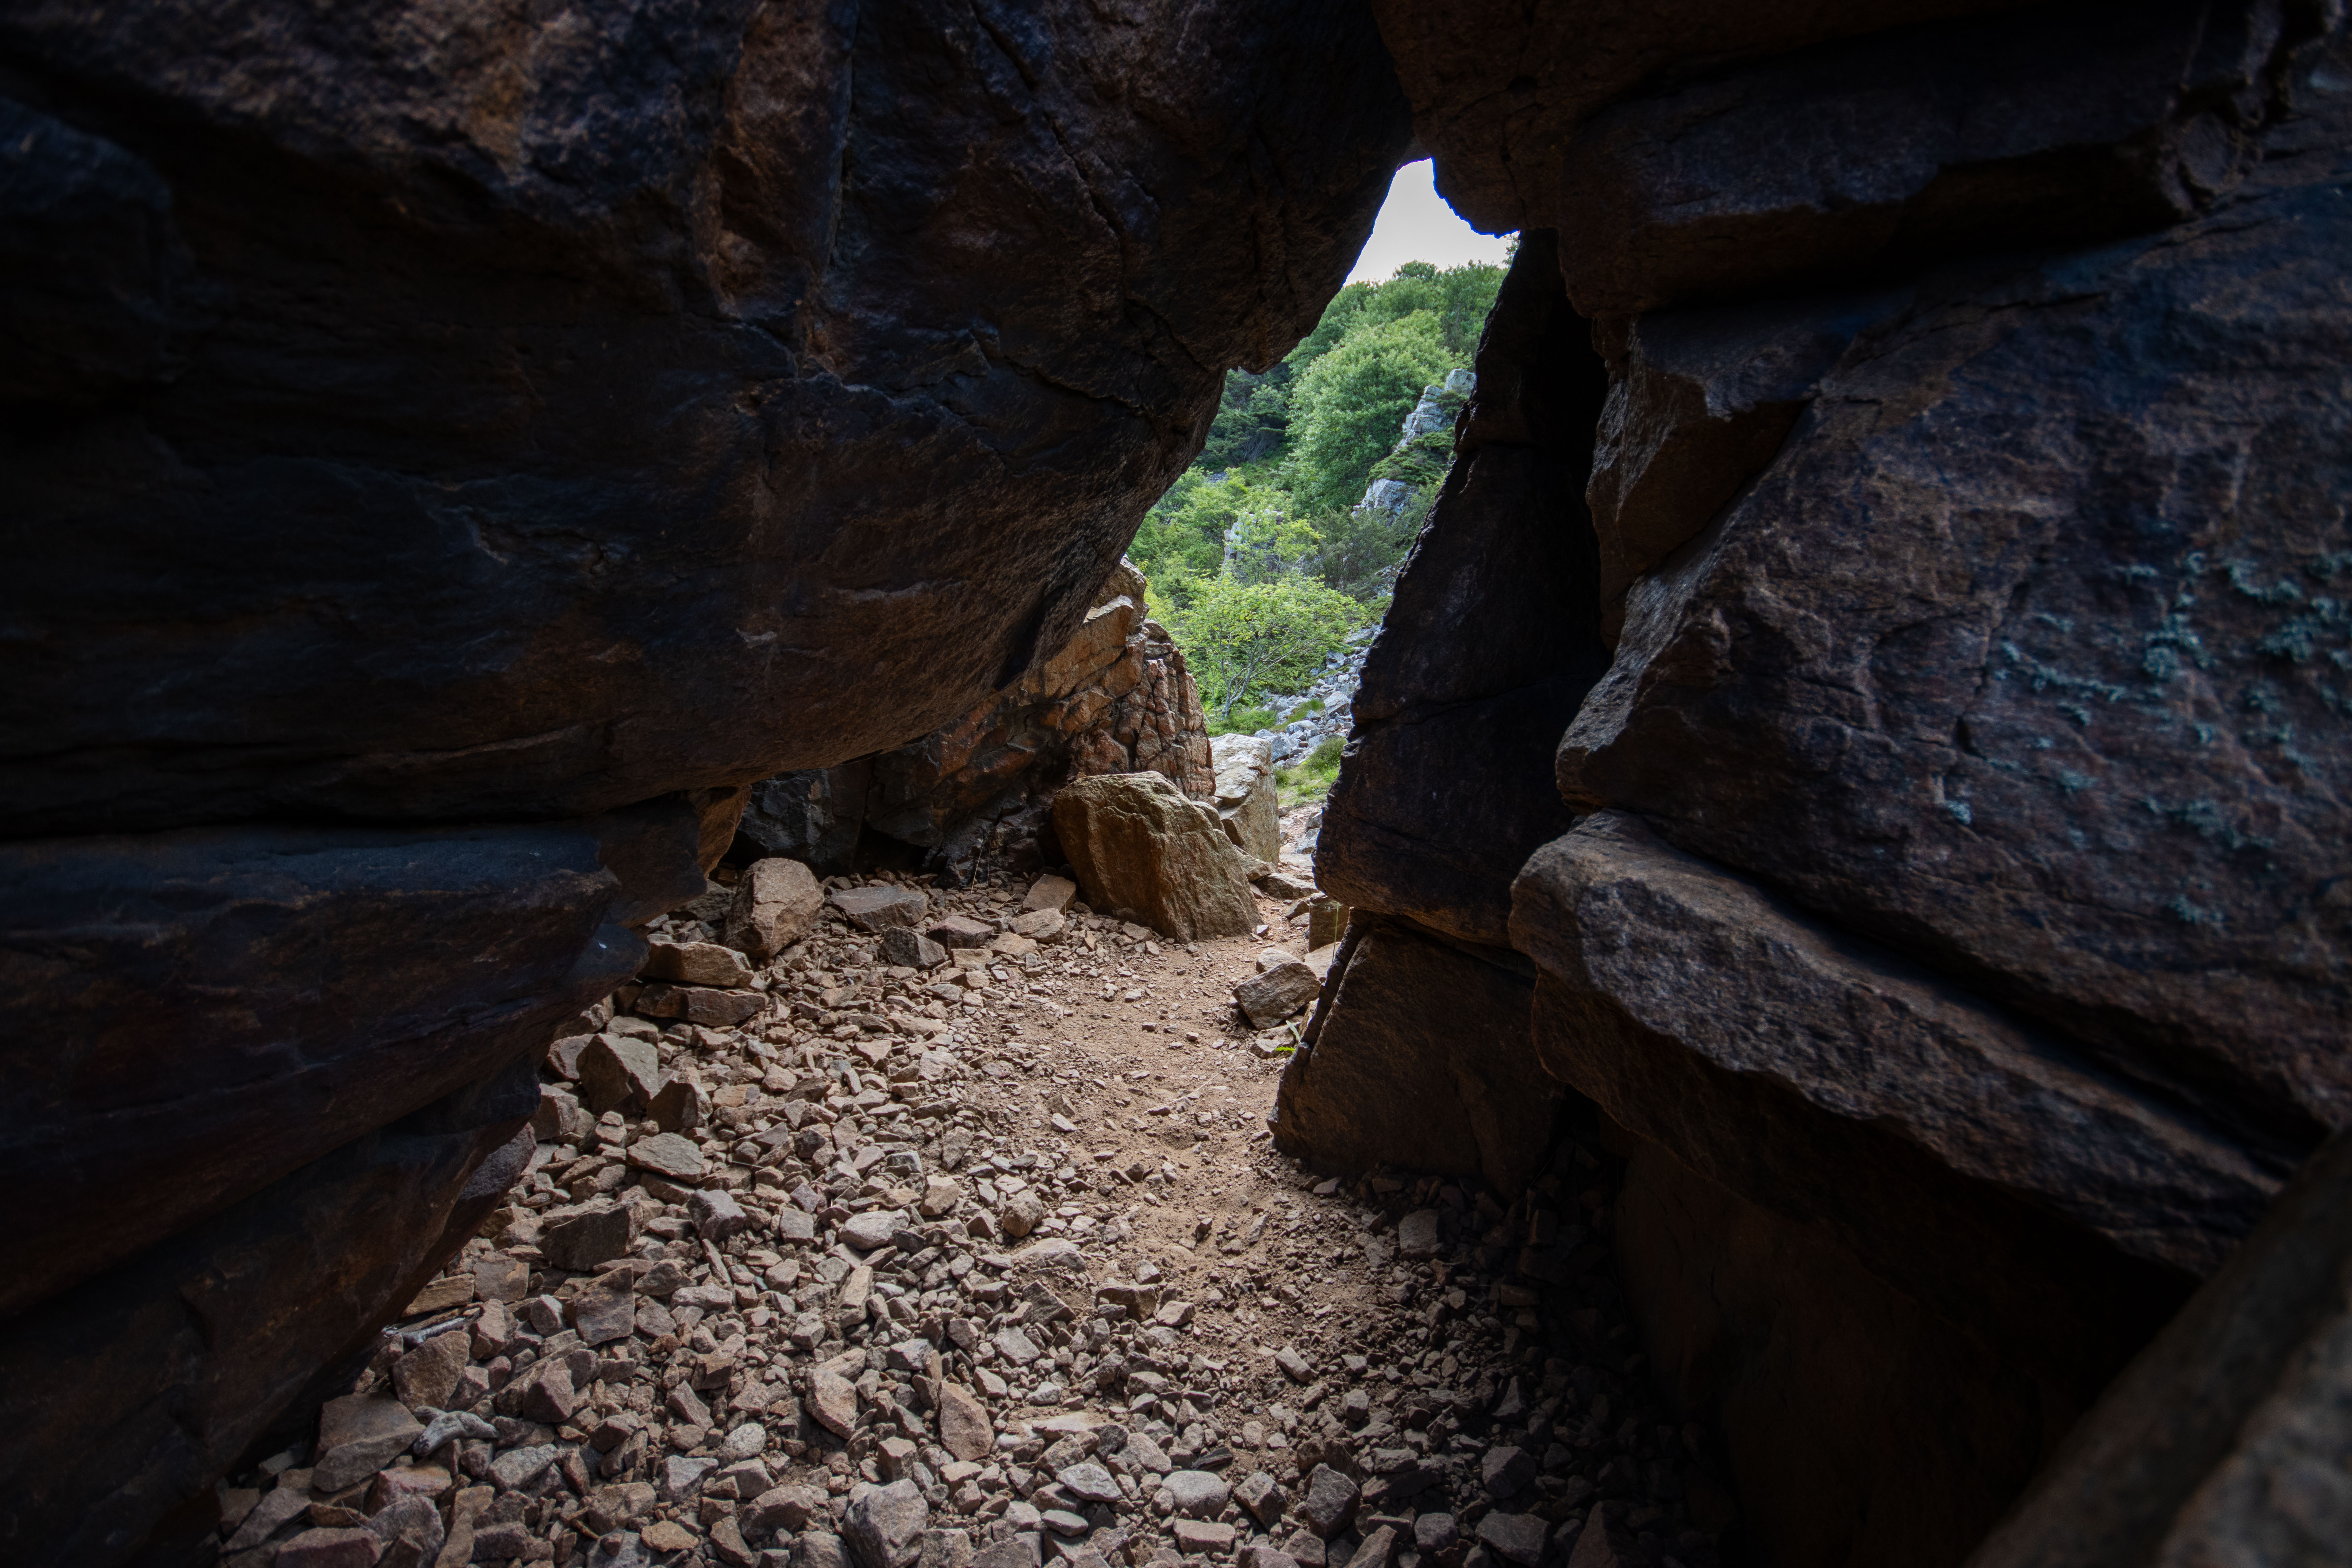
(1246, 805)
(1138, 843)
(776, 904)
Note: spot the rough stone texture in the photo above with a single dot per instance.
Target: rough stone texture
(1282, 990)
(2223, 1441)
(182, 1355)
(1787, 1059)
(1498, 92)
(1137, 844)
(1882, 153)
(1424, 1060)
(1245, 795)
(696, 964)
(884, 1525)
(1491, 641)
(2018, 663)
(776, 904)
(445, 421)
(975, 793)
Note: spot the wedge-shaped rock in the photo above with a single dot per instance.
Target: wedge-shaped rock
(1958, 1154)
(776, 904)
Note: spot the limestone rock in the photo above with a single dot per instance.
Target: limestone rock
(1136, 843)
(1246, 793)
(776, 904)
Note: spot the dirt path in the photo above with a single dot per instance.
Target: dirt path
(1011, 1272)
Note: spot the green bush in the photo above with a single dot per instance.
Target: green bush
(1245, 639)
(1241, 721)
(1350, 404)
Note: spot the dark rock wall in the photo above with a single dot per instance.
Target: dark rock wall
(1956, 916)
(449, 452)
(976, 794)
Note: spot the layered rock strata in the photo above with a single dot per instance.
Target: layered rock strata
(450, 457)
(977, 793)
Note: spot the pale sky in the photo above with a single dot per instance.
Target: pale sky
(1415, 225)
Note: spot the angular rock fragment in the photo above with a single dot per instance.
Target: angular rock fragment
(696, 964)
(1267, 999)
(884, 1525)
(584, 1240)
(904, 945)
(874, 909)
(776, 904)
(619, 1073)
(668, 1154)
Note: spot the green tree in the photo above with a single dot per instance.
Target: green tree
(1245, 637)
(1350, 404)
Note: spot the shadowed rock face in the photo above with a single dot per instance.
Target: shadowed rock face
(1956, 918)
(620, 372)
(450, 452)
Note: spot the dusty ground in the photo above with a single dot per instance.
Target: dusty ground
(1188, 1325)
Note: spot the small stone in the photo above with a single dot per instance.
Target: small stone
(873, 1229)
(953, 932)
(1515, 1537)
(904, 945)
(619, 1072)
(776, 904)
(1091, 1482)
(1050, 892)
(940, 1195)
(832, 1400)
(965, 1430)
(884, 1525)
(429, 1375)
(1377, 1550)
(1197, 1494)
(879, 908)
(440, 1296)
(1062, 1521)
(519, 1468)
(1330, 1505)
(668, 1154)
(1203, 1536)
(666, 1535)
(1267, 999)
(580, 1243)
(1039, 925)
(1506, 1471)
(1016, 1346)
(606, 1310)
(716, 1215)
(696, 964)
(1417, 1234)
(745, 1442)
(358, 1435)
(1263, 1496)
(1021, 1214)
(1294, 1366)
(682, 1476)
(1434, 1533)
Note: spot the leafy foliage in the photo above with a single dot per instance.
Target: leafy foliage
(1269, 507)
(1351, 402)
(1247, 638)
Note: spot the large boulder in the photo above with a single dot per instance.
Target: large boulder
(1490, 643)
(1139, 843)
(449, 445)
(1423, 1059)
(1247, 804)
